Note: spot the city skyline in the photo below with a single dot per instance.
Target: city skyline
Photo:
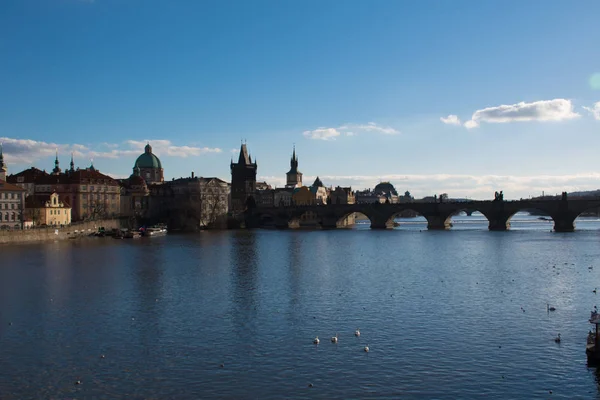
(393, 91)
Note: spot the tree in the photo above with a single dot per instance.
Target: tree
(97, 210)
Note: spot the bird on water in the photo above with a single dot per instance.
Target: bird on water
(366, 348)
(334, 339)
(557, 339)
(316, 341)
(357, 332)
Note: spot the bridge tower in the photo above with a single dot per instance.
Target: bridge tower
(243, 180)
(294, 177)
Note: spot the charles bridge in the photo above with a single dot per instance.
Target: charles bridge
(498, 212)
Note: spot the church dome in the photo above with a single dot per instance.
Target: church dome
(386, 188)
(148, 159)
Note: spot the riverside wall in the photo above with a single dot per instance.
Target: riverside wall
(51, 233)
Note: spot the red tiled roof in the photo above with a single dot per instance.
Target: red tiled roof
(29, 175)
(9, 187)
(80, 176)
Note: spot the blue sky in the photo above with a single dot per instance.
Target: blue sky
(463, 97)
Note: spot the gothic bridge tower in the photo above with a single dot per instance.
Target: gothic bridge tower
(243, 180)
(294, 177)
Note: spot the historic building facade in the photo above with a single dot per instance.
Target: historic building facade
(243, 181)
(190, 203)
(134, 198)
(47, 210)
(12, 204)
(150, 166)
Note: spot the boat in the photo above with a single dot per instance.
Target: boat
(592, 348)
(131, 234)
(153, 231)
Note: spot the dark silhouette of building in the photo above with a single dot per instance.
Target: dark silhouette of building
(243, 180)
(294, 177)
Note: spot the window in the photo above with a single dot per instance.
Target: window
(13, 216)
(12, 206)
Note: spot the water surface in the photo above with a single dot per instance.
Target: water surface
(451, 314)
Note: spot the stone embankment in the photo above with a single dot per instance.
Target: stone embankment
(56, 233)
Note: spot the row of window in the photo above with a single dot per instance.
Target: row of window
(57, 212)
(7, 195)
(12, 206)
(13, 217)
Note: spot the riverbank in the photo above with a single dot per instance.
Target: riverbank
(56, 233)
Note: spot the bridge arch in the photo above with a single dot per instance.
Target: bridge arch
(407, 212)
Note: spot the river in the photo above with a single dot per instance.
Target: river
(233, 314)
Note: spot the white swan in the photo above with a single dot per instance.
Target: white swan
(334, 339)
(357, 332)
(366, 349)
(316, 341)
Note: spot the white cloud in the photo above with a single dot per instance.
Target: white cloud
(480, 187)
(544, 110)
(369, 127)
(27, 151)
(594, 110)
(471, 124)
(349, 129)
(322, 134)
(451, 120)
(235, 151)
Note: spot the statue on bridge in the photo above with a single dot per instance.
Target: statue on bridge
(498, 196)
(564, 196)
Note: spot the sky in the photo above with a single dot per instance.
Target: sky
(459, 97)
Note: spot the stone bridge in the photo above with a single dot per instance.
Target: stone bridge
(498, 213)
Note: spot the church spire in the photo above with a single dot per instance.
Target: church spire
(2, 164)
(3, 168)
(72, 165)
(56, 169)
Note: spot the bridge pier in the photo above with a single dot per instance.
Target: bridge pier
(564, 224)
(501, 224)
(381, 222)
(437, 222)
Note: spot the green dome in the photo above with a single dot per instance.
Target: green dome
(148, 160)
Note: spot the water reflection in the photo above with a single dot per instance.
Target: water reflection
(244, 269)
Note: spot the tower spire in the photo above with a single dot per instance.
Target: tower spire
(56, 169)
(3, 168)
(72, 165)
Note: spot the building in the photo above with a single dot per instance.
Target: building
(282, 197)
(27, 179)
(320, 192)
(263, 186)
(293, 176)
(150, 166)
(190, 203)
(134, 198)
(384, 192)
(91, 194)
(12, 203)
(265, 198)
(341, 195)
(47, 210)
(243, 181)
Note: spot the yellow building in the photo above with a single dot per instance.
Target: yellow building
(303, 196)
(47, 210)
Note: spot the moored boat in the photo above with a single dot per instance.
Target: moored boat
(153, 231)
(592, 348)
